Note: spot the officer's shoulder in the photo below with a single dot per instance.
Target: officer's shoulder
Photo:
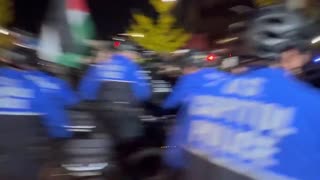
(270, 72)
(125, 60)
(209, 70)
(186, 77)
(119, 58)
(49, 81)
(94, 65)
(304, 89)
(27, 82)
(57, 81)
(287, 83)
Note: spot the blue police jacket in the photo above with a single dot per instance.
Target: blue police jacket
(188, 83)
(186, 86)
(120, 69)
(60, 96)
(19, 96)
(263, 124)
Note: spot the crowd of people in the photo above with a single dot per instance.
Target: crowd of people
(259, 122)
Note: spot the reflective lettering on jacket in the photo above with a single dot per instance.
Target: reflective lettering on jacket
(19, 96)
(118, 69)
(60, 95)
(267, 126)
(43, 83)
(263, 124)
(188, 83)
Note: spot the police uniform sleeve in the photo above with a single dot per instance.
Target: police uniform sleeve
(141, 87)
(311, 101)
(68, 95)
(174, 156)
(42, 104)
(308, 126)
(53, 118)
(89, 85)
(179, 92)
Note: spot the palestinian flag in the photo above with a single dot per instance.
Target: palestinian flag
(66, 27)
(80, 22)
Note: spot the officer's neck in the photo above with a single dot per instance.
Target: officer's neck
(190, 70)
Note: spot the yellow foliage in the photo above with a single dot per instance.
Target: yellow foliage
(6, 41)
(160, 35)
(162, 7)
(6, 13)
(5, 19)
(262, 3)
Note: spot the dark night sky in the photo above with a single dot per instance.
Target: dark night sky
(28, 14)
(113, 16)
(110, 16)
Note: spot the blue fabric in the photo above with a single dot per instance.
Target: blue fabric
(185, 87)
(18, 95)
(173, 156)
(60, 95)
(264, 122)
(118, 68)
(188, 83)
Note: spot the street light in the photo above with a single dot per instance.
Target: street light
(227, 40)
(316, 60)
(132, 35)
(4, 31)
(315, 40)
(240, 9)
(118, 39)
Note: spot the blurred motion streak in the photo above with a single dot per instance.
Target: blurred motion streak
(315, 40)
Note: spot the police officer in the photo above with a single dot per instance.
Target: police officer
(60, 95)
(22, 108)
(120, 86)
(195, 75)
(120, 67)
(264, 123)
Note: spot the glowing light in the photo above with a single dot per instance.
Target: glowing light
(223, 41)
(211, 57)
(315, 40)
(168, 0)
(316, 60)
(132, 35)
(240, 9)
(116, 44)
(118, 39)
(3, 31)
(181, 51)
(137, 35)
